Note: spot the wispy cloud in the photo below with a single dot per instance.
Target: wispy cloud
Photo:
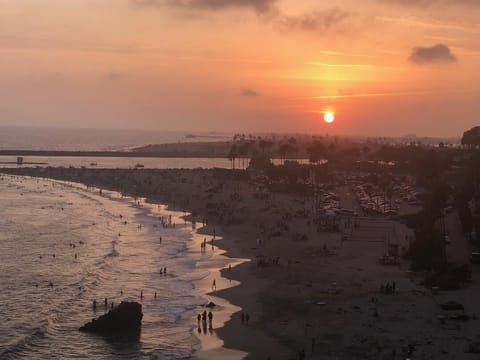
(341, 65)
(32, 43)
(114, 76)
(385, 94)
(340, 53)
(364, 95)
(249, 92)
(320, 21)
(438, 54)
(442, 38)
(221, 60)
(261, 6)
(431, 23)
(424, 3)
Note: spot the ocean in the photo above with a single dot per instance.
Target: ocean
(116, 162)
(19, 138)
(63, 245)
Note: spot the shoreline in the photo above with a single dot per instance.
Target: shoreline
(212, 345)
(244, 296)
(229, 245)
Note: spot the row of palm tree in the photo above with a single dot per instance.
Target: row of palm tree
(244, 148)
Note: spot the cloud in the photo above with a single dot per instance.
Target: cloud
(268, 10)
(420, 3)
(31, 43)
(432, 55)
(314, 21)
(249, 93)
(114, 76)
(261, 6)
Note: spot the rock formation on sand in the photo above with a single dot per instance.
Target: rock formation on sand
(126, 318)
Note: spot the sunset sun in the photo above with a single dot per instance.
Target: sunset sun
(329, 117)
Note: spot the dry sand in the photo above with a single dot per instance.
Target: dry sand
(320, 288)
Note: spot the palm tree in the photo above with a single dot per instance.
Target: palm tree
(264, 144)
(316, 152)
(243, 150)
(283, 150)
(232, 155)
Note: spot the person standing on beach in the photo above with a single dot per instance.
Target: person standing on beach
(214, 285)
(210, 318)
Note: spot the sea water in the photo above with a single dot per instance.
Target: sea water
(28, 138)
(90, 245)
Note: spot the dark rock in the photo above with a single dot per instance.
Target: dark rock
(211, 304)
(452, 305)
(126, 318)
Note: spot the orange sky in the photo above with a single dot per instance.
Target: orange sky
(385, 67)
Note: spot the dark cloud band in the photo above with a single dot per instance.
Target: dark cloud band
(258, 5)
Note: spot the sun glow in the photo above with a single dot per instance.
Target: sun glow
(329, 117)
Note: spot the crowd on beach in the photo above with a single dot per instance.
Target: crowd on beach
(315, 284)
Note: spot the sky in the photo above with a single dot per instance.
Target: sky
(384, 67)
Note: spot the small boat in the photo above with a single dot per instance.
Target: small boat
(139, 166)
(93, 164)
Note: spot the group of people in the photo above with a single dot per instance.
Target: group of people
(167, 221)
(105, 302)
(202, 320)
(203, 245)
(388, 288)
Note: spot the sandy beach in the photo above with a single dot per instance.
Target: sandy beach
(306, 291)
